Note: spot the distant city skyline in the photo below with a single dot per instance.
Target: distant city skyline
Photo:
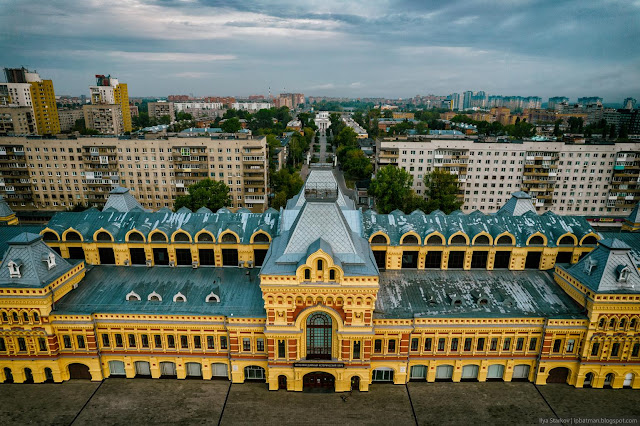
(330, 48)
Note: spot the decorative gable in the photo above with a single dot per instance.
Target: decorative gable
(14, 268)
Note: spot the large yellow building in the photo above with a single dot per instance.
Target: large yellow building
(109, 92)
(320, 294)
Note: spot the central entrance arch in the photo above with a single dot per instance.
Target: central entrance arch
(319, 336)
(558, 375)
(318, 381)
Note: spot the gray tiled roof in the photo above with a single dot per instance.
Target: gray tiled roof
(104, 290)
(122, 200)
(432, 293)
(600, 269)
(634, 217)
(29, 251)
(519, 204)
(5, 210)
(118, 224)
(320, 179)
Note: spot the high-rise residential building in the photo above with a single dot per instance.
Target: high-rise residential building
(466, 100)
(290, 100)
(54, 174)
(590, 100)
(68, 118)
(109, 91)
(26, 89)
(455, 101)
(629, 103)
(106, 118)
(556, 100)
(161, 108)
(17, 121)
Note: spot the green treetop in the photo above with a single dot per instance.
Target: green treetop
(441, 190)
(208, 193)
(391, 187)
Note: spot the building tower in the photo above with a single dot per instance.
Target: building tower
(26, 89)
(109, 98)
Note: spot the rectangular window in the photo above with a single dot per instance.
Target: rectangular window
(392, 346)
(377, 346)
(118, 340)
(507, 344)
(211, 342)
(454, 344)
(223, 342)
(356, 349)
(67, 342)
(427, 344)
(467, 343)
(570, 344)
(132, 340)
(184, 342)
(81, 344)
(22, 344)
(635, 350)
(557, 344)
(144, 340)
(197, 342)
(42, 342)
(157, 339)
(282, 352)
(260, 345)
(520, 344)
(441, 343)
(533, 343)
(246, 344)
(494, 344)
(414, 343)
(615, 348)
(171, 341)
(105, 340)
(3, 347)
(480, 344)
(595, 348)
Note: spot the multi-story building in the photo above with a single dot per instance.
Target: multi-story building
(563, 178)
(68, 118)
(112, 95)
(557, 100)
(200, 109)
(590, 100)
(290, 100)
(357, 128)
(107, 119)
(321, 295)
(629, 103)
(26, 89)
(15, 120)
(159, 109)
(55, 174)
(251, 106)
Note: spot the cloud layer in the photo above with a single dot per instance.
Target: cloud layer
(330, 47)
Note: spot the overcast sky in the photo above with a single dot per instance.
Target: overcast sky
(352, 48)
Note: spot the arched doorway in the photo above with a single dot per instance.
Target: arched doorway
(282, 382)
(28, 375)
(608, 380)
(168, 370)
(558, 375)
(318, 381)
(8, 376)
(355, 383)
(319, 336)
(79, 371)
(48, 375)
(588, 380)
(143, 369)
(194, 370)
(628, 380)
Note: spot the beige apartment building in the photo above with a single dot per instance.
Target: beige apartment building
(159, 109)
(68, 117)
(17, 120)
(56, 174)
(584, 179)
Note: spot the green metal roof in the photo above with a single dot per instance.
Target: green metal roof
(433, 293)
(8, 232)
(105, 288)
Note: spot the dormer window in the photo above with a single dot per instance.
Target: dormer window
(212, 297)
(50, 260)
(180, 298)
(154, 297)
(623, 273)
(14, 269)
(590, 265)
(133, 296)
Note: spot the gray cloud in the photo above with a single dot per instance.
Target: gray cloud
(332, 47)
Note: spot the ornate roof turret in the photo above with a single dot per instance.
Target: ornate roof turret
(519, 204)
(7, 216)
(122, 200)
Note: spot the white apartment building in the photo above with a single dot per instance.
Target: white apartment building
(584, 179)
(251, 106)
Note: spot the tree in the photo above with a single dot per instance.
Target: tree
(285, 184)
(165, 119)
(212, 194)
(575, 124)
(183, 116)
(556, 128)
(441, 191)
(612, 132)
(231, 125)
(356, 164)
(347, 137)
(391, 186)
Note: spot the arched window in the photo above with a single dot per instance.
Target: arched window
(136, 236)
(459, 240)
(212, 297)
(601, 323)
(36, 317)
(15, 317)
(612, 323)
(179, 298)
(567, 240)
(154, 297)
(5, 317)
(590, 240)
(319, 336)
(229, 238)
(261, 237)
(72, 236)
(505, 240)
(307, 274)
(536, 240)
(181, 237)
(632, 323)
(434, 240)
(623, 322)
(133, 296)
(205, 238)
(332, 274)
(158, 237)
(379, 239)
(103, 236)
(481, 240)
(25, 316)
(410, 239)
(320, 265)
(49, 236)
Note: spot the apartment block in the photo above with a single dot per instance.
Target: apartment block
(17, 121)
(55, 174)
(594, 179)
(68, 118)
(159, 109)
(107, 119)
(109, 91)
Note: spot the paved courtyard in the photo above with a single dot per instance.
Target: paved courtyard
(186, 402)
